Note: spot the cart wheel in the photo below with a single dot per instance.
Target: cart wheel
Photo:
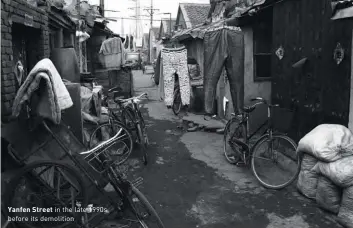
(47, 184)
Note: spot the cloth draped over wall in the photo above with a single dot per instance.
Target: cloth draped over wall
(223, 48)
(53, 95)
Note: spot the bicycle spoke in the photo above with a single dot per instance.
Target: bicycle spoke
(271, 164)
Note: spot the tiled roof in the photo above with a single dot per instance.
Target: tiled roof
(166, 24)
(194, 13)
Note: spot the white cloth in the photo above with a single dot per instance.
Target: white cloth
(53, 98)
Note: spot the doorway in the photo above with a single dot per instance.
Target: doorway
(26, 46)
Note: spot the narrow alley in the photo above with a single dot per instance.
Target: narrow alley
(190, 183)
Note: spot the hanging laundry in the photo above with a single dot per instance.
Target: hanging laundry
(157, 70)
(113, 52)
(161, 80)
(224, 48)
(175, 61)
(54, 97)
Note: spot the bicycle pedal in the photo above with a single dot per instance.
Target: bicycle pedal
(137, 182)
(240, 164)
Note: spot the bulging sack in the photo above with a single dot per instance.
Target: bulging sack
(345, 215)
(327, 142)
(308, 162)
(307, 183)
(328, 195)
(339, 172)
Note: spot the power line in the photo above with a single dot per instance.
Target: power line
(150, 11)
(134, 19)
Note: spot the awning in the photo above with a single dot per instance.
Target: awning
(341, 9)
(199, 31)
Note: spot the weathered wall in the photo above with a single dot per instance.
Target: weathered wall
(251, 88)
(13, 12)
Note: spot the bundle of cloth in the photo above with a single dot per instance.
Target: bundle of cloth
(53, 96)
(327, 170)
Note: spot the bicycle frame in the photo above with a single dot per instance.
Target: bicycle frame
(244, 120)
(90, 178)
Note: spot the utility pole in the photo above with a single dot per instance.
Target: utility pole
(101, 4)
(122, 27)
(150, 11)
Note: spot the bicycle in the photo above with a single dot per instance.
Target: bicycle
(131, 117)
(244, 154)
(101, 162)
(123, 148)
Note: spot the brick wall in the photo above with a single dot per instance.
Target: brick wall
(13, 11)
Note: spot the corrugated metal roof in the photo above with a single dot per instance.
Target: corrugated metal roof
(199, 31)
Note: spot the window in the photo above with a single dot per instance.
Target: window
(262, 33)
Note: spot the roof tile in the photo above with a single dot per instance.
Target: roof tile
(196, 13)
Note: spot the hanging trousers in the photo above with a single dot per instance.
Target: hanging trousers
(224, 48)
(175, 62)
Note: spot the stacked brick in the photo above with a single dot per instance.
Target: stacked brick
(14, 11)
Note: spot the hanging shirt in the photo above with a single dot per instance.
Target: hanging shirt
(113, 53)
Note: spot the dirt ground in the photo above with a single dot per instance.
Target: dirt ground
(190, 184)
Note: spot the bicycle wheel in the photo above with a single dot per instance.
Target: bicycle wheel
(277, 165)
(128, 117)
(147, 216)
(232, 151)
(121, 149)
(46, 184)
(177, 103)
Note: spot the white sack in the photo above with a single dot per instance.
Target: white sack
(308, 162)
(307, 183)
(345, 215)
(327, 142)
(339, 172)
(328, 195)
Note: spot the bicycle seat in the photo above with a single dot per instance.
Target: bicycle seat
(119, 100)
(249, 109)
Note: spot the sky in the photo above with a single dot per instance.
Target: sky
(164, 6)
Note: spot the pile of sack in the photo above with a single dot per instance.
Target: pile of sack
(327, 170)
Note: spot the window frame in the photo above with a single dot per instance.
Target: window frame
(256, 54)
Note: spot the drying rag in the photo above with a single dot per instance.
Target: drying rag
(112, 53)
(54, 97)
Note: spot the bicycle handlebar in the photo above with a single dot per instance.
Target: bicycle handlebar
(262, 101)
(133, 98)
(103, 144)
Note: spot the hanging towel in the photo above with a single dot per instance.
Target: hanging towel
(113, 53)
(54, 96)
(175, 61)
